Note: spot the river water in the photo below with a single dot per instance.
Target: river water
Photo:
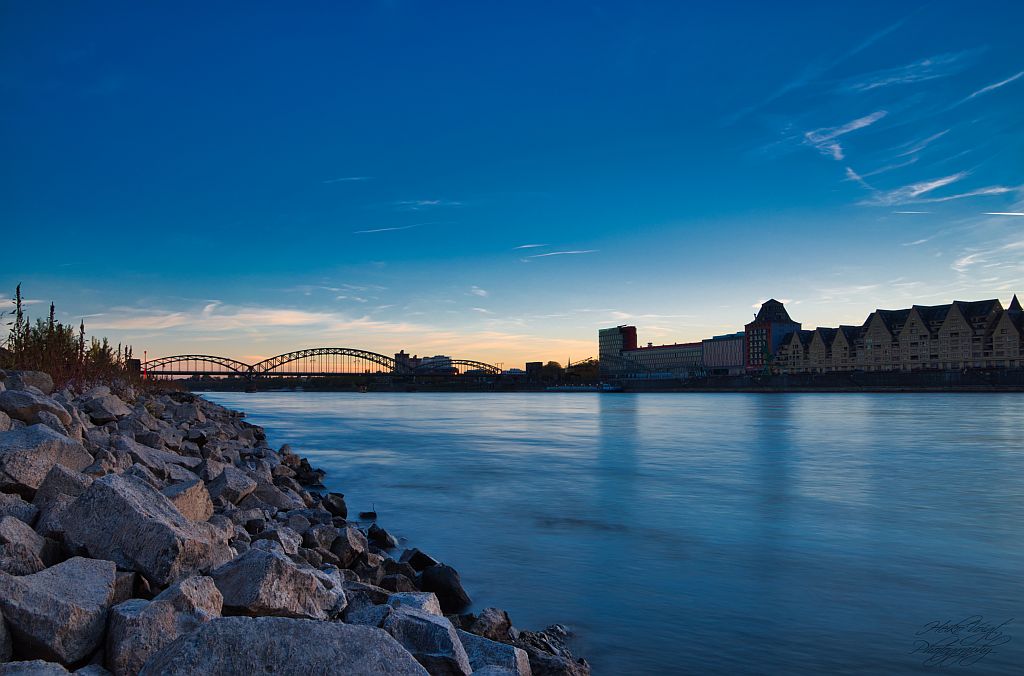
(701, 533)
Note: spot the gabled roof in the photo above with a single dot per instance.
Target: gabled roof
(933, 314)
(804, 336)
(891, 318)
(978, 309)
(827, 334)
(852, 333)
(1015, 305)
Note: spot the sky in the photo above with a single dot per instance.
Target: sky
(497, 181)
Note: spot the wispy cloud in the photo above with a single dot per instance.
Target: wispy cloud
(477, 291)
(528, 246)
(923, 70)
(417, 205)
(918, 242)
(852, 175)
(922, 144)
(400, 227)
(563, 253)
(1004, 213)
(980, 192)
(911, 212)
(348, 179)
(814, 71)
(824, 139)
(910, 193)
(483, 311)
(996, 85)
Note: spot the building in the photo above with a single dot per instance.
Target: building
(611, 343)
(620, 357)
(678, 360)
(723, 355)
(765, 335)
(955, 336)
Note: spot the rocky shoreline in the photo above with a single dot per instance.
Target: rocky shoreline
(158, 533)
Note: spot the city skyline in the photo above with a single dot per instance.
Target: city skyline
(499, 185)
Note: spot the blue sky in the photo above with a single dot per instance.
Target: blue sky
(497, 181)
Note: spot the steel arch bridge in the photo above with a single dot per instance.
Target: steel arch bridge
(317, 361)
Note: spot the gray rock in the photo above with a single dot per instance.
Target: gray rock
(445, 582)
(244, 646)
(138, 628)
(60, 613)
(53, 422)
(13, 505)
(24, 406)
(126, 520)
(27, 454)
(191, 499)
(381, 537)
(5, 420)
(423, 601)
(61, 481)
(289, 540)
(269, 583)
(19, 380)
(493, 623)
(282, 498)
(50, 523)
(91, 670)
(484, 653)
(153, 459)
(140, 471)
(320, 536)
(32, 668)
(349, 544)
(16, 531)
(106, 408)
(233, 485)
(431, 640)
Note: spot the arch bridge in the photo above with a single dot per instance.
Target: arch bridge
(311, 362)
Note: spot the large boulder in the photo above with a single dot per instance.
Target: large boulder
(21, 380)
(126, 520)
(14, 505)
(430, 638)
(25, 406)
(423, 601)
(244, 646)
(61, 481)
(106, 408)
(445, 582)
(5, 420)
(155, 460)
(21, 548)
(191, 498)
(60, 613)
(493, 623)
(232, 485)
(262, 582)
(28, 454)
(349, 544)
(139, 628)
(484, 653)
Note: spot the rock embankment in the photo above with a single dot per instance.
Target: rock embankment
(160, 534)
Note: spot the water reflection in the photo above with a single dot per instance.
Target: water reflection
(725, 533)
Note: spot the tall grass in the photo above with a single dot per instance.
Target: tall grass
(62, 350)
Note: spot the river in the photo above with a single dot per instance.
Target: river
(701, 533)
